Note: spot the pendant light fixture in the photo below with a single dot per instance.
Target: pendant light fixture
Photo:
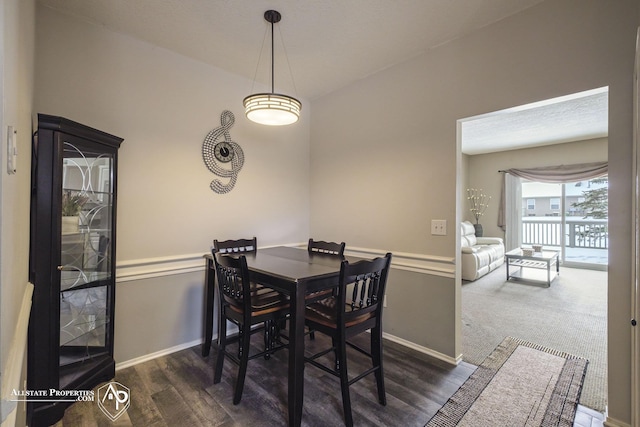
(272, 108)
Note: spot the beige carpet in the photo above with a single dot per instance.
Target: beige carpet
(518, 384)
(570, 316)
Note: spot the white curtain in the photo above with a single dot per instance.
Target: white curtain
(513, 212)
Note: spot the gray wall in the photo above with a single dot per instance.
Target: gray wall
(389, 142)
(17, 47)
(420, 296)
(17, 91)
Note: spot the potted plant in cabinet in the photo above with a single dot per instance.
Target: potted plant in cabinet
(72, 203)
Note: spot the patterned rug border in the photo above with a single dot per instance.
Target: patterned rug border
(564, 401)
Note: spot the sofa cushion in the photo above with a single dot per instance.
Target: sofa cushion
(489, 241)
(468, 233)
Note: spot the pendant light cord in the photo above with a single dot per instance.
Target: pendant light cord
(272, 61)
(286, 56)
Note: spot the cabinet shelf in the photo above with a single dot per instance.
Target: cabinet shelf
(77, 280)
(86, 332)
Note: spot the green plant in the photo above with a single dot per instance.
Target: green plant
(596, 200)
(72, 202)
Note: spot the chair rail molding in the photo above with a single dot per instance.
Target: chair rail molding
(147, 268)
(417, 263)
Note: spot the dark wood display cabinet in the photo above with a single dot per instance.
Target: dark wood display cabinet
(72, 263)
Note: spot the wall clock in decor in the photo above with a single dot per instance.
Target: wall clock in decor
(222, 156)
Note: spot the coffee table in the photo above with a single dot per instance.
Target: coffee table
(544, 260)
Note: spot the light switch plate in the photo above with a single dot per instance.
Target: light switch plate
(12, 150)
(438, 227)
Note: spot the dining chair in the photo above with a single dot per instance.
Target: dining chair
(327, 248)
(236, 246)
(246, 306)
(241, 246)
(323, 248)
(355, 308)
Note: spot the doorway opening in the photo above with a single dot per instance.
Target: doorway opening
(569, 130)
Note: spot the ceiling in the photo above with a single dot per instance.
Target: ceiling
(329, 43)
(322, 45)
(574, 117)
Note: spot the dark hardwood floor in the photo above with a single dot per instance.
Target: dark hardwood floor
(178, 390)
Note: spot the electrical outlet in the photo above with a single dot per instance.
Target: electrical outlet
(438, 227)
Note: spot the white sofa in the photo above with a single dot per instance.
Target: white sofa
(480, 255)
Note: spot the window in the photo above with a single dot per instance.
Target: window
(568, 217)
(531, 204)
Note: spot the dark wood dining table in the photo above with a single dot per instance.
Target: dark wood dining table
(292, 271)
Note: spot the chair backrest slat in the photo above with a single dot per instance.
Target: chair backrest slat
(368, 281)
(327, 248)
(233, 279)
(235, 246)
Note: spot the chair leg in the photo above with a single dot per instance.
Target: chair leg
(376, 355)
(282, 325)
(268, 338)
(336, 349)
(222, 344)
(240, 336)
(242, 371)
(341, 361)
(272, 330)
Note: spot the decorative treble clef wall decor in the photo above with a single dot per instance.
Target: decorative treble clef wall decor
(218, 147)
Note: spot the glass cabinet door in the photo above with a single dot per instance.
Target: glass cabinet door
(85, 252)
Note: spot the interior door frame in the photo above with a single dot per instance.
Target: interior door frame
(635, 227)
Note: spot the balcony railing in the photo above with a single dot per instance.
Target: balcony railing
(579, 233)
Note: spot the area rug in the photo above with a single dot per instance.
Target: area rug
(518, 384)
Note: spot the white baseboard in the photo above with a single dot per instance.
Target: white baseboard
(156, 354)
(421, 349)
(393, 338)
(612, 422)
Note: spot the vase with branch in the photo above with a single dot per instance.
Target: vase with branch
(478, 203)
